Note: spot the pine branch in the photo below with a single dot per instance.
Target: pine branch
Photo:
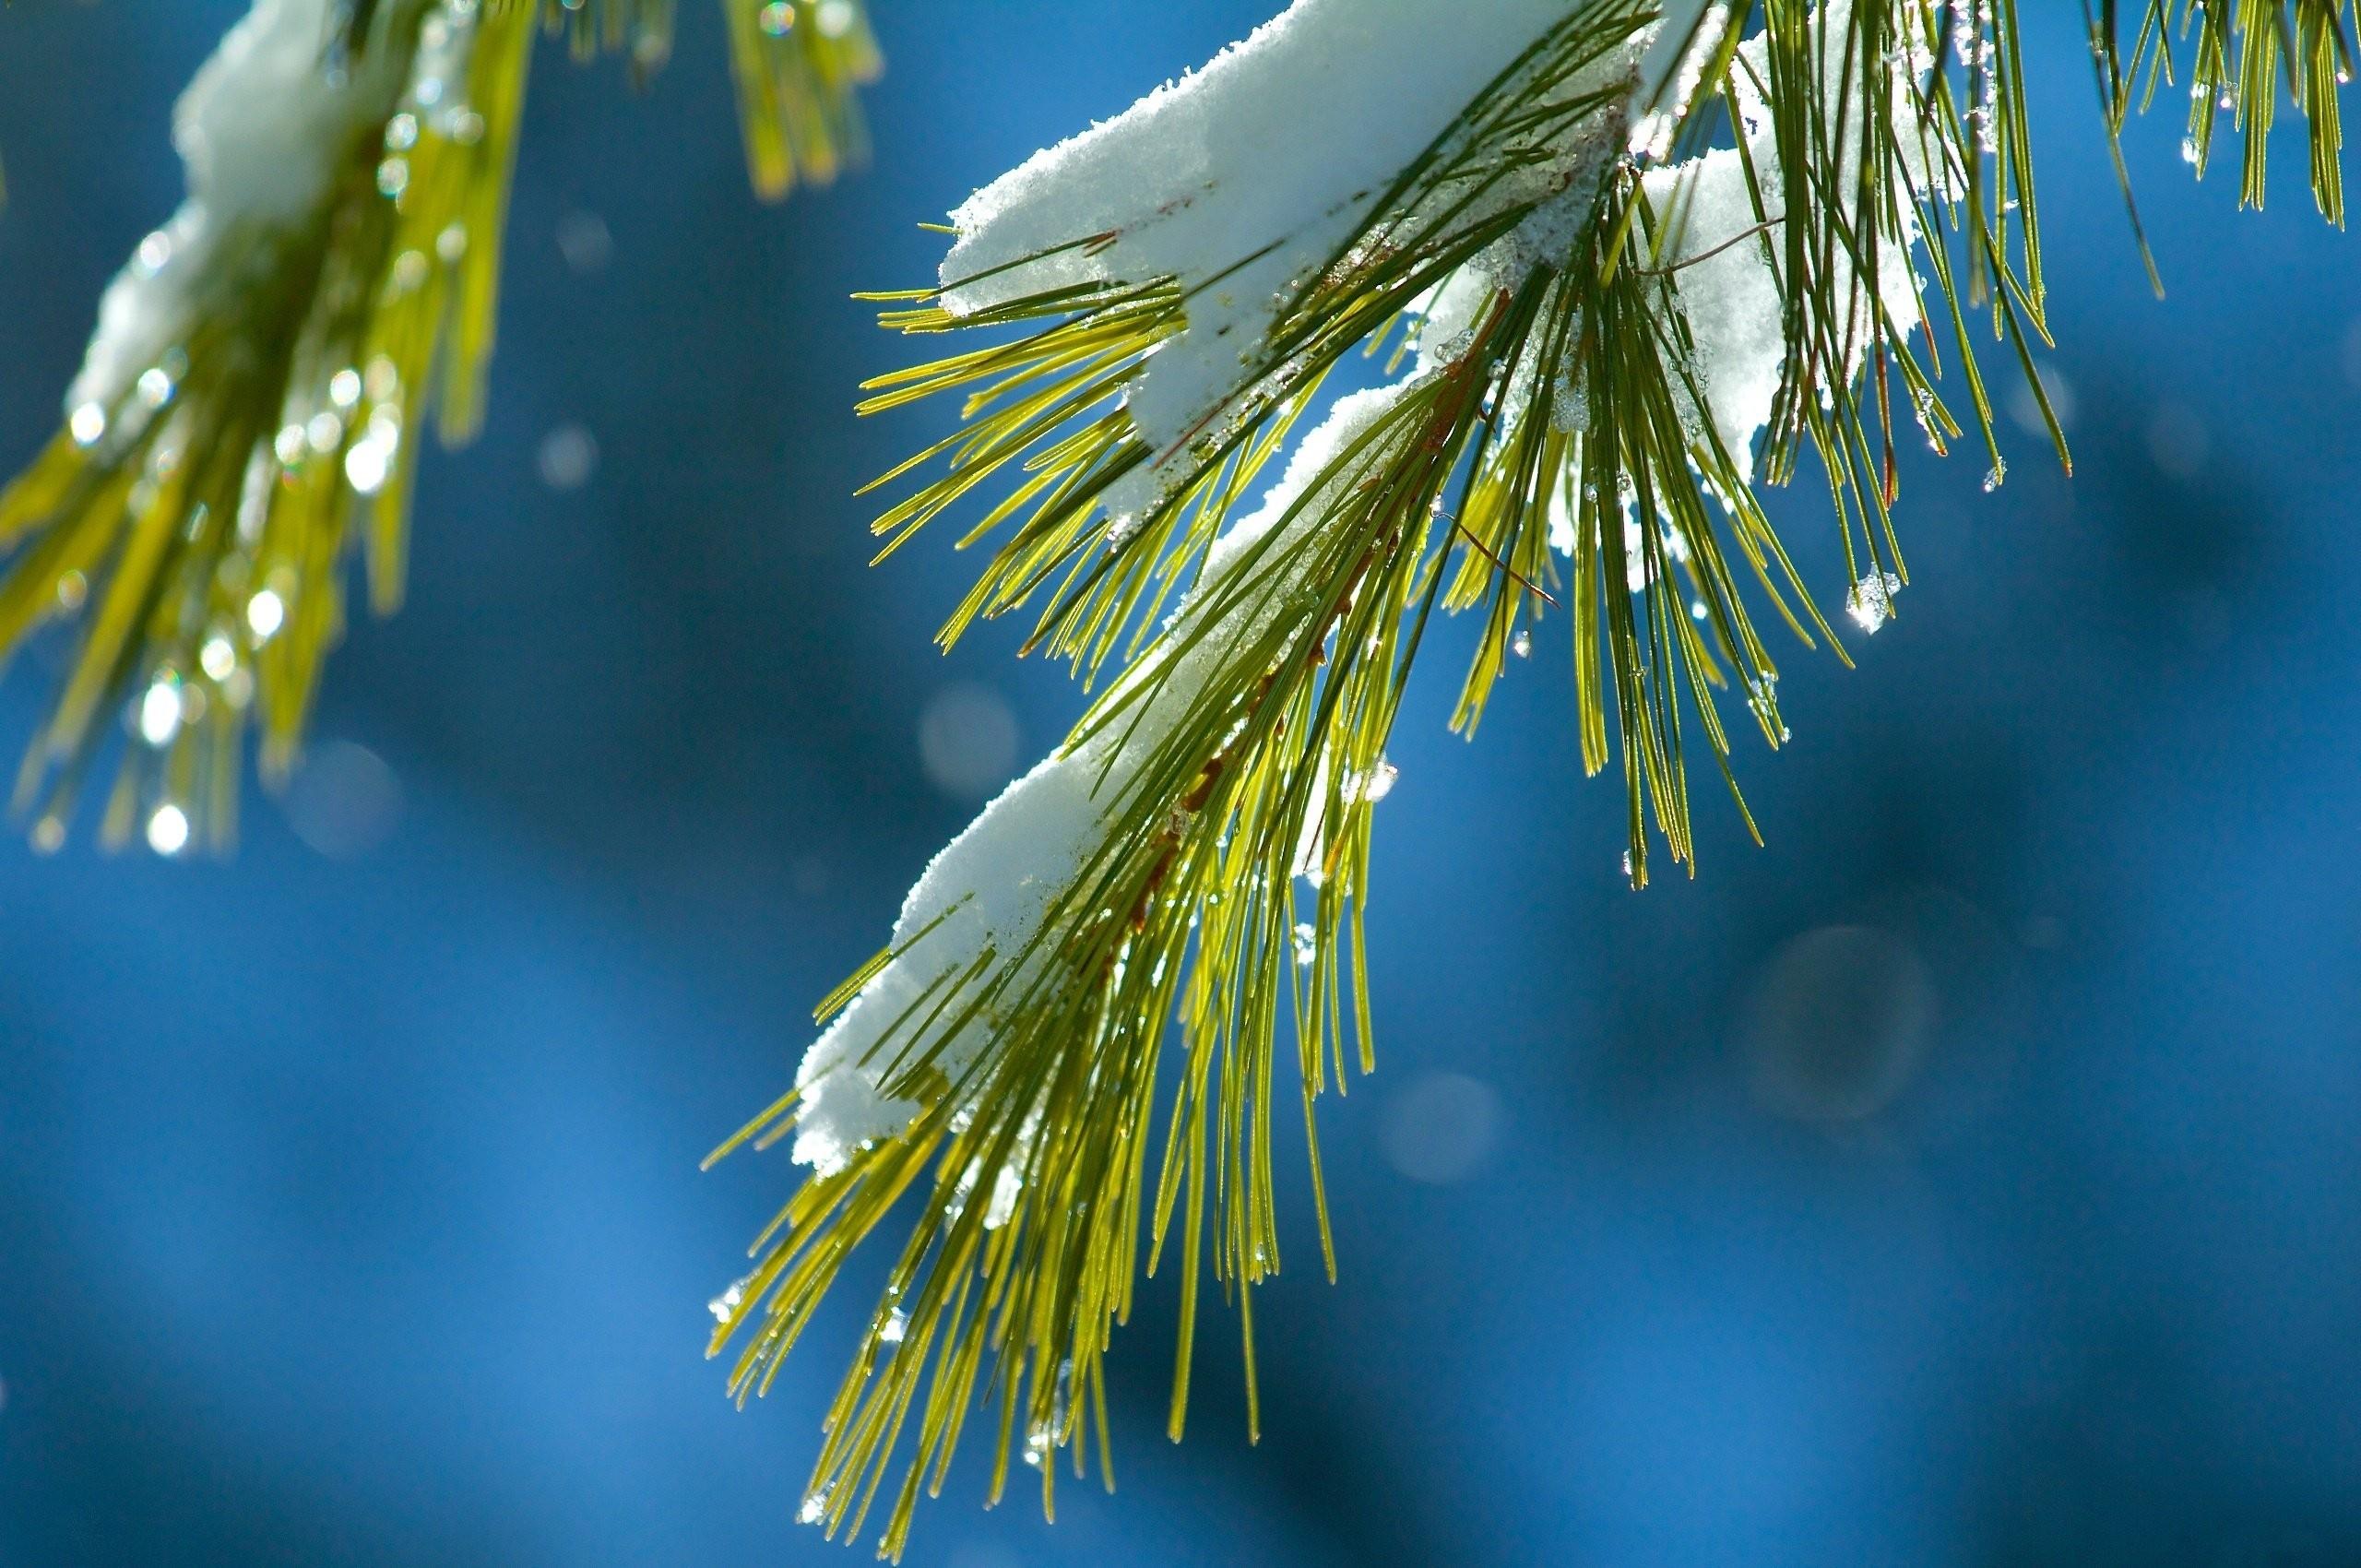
(1638, 275)
(250, 405)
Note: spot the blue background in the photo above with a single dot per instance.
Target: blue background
(1967, 1177)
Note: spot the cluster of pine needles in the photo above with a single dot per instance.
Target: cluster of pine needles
(197, 528)
(1244, 738)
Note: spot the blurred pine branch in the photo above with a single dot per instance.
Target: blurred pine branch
(251, 411)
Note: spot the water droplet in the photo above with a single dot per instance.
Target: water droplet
(265, 612)
(2179, 441)
(159, 710)
(726, 1304)
(168, 830)
(777, 18)
(970, 740)
(344, 800)
(155, 387)
(401, 132)
(344, 387)
(393, 176)
(87, 423)
(1038, 1444)
(568, 457)
(367, 465)
(1837, 1025)
(1522, 643)
(325, 432)
(1440, 1127)
(452, 243)
(583, 240)
(218, 658)
(897, 1324)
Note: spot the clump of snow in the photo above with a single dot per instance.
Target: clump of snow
(1725, 292)
(1725, 289)
(1870, 601)
(1729, 296)
(264, 130)
(991, 889)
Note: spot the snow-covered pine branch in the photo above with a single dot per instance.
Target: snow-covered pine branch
(1648, 262)
(249, 407)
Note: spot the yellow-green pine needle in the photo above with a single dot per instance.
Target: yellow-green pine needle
(798, 65)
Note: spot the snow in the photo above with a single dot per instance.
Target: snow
(1725, 292)
(1673, 69)
(1729, 299)
(992, 886)
(264, 130)
(1224, 165)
